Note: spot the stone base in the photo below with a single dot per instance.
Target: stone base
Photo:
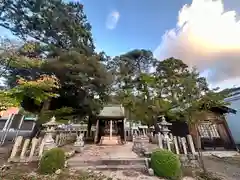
(49, 146)
(190, 160)
(79, 144)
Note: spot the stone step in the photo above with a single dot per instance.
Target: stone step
(127, 161)
(105, 140)
(107, 137)
(111, 167)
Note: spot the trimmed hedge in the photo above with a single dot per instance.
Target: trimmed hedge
(51, 161)
(166, 164)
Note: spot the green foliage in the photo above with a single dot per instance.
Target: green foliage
(51, 161)
(171, 89)
(43, 20)
(166, 164)
(6, 100)
(198, 109)
(62, 47)
(41, 89)
(62, 115)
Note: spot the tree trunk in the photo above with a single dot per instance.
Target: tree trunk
(36, 130)
(90, 120)
(38, 127)
(156, 126)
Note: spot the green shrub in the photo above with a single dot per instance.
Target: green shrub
(51, 161)
(166, 164)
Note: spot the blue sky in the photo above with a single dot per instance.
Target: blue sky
(202, 35)
(141, 23)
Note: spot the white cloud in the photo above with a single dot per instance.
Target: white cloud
(206, 37)
(112, 20)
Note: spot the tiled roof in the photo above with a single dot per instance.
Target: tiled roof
(112, 111)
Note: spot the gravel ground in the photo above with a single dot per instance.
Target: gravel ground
(128, 175)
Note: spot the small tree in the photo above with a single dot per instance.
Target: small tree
(197, 112)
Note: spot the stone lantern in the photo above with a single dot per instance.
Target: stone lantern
(164, 128)
(50, 130)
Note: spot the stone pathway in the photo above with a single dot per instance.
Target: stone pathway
(94, 152)
(221, 167)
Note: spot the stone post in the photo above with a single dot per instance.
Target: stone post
(190, 141)
(176, 144)
(183, 140)
(24, 149)
(160, 144)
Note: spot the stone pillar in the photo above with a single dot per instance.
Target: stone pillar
(110, 137)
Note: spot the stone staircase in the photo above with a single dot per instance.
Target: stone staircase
(109, 164)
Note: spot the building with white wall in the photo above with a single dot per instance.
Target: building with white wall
(233, 120)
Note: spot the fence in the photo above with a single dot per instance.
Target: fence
(178, 145)
(28, 150)
(130, 133)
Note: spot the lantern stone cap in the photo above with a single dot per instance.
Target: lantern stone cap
(164, 122)
(52, 122)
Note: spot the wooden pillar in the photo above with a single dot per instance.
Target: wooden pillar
(110, 137)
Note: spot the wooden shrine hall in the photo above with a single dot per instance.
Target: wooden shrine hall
(110, 125)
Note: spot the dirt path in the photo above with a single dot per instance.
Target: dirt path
(229, 170)
(5, 153)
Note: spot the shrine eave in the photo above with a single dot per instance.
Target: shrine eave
(108, 118)
(112, 112)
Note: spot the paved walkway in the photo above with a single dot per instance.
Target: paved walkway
(94, 152)
(119, 152)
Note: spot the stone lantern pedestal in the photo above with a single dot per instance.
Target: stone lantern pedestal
(79, 141)
(80, 132)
